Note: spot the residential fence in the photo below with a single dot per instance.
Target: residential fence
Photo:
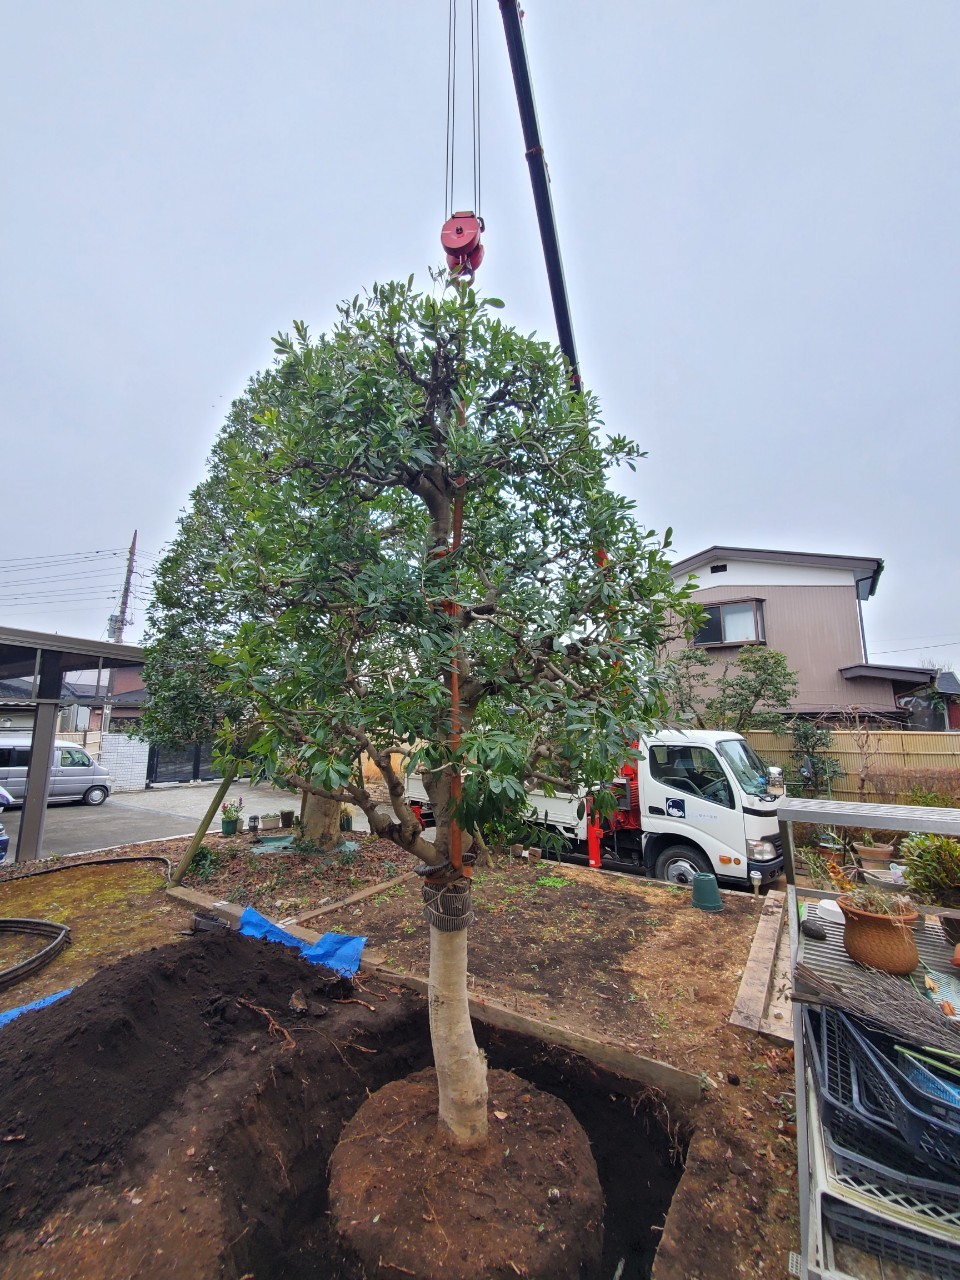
(879, 765)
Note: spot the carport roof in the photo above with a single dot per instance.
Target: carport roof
(21, 653)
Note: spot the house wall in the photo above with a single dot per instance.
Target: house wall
(816, 626)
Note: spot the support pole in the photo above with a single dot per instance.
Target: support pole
(183, 866)
(33, 816)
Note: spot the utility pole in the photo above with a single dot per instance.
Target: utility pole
(118, 620)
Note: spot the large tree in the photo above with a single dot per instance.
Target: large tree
(423, 520)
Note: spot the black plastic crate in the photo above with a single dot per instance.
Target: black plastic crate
(885, 1091)
(851, 1225)
(843, 1108)
(886, 1170)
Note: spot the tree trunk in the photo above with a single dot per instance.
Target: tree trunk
(183, 866)
(461, 1067)
(320, 819)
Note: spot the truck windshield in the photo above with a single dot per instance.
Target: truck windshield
(747, 766)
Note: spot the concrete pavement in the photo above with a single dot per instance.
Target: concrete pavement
(131, 816)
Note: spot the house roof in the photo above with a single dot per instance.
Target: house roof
(948, 683)
(899, 675)
(866, 570)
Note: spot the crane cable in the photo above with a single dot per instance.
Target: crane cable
(451, 134)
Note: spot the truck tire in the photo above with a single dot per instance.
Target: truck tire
(678, 864)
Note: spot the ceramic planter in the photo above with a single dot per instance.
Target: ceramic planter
(269, 824)
(874, 855)
(286, 817)
(879, 941)
(228, 826)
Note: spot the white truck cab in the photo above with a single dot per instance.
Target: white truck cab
(697, 800)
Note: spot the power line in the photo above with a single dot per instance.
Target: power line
(946, 644)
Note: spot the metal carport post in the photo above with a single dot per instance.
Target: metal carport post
(41, 659)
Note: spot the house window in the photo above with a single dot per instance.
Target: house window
(740, 622)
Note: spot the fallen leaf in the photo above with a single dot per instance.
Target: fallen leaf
(501, 1115)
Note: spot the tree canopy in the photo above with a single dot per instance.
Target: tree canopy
(751, 693)
(318, 561)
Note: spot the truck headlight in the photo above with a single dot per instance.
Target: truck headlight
(761, 850)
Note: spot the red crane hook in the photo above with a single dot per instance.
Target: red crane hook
(460, 237)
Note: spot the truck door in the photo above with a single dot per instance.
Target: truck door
(688, 785)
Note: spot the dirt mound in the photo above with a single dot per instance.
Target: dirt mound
(82, 1077)
(528, 1203)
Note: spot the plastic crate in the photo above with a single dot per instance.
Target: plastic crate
(928, 1082)
(851, 1225)
(932, 1128)
(866, 1162)
(858, 1127)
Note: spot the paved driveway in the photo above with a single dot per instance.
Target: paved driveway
(130, 816)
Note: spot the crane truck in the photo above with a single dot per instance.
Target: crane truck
(693, 801)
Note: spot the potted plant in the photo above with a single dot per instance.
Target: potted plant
(286, 817)
(932, 870)
(269, 821)
(230, 812)
(346, 818)
(876, 928)
(870, 853)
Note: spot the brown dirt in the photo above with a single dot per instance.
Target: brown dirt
(632, 962)
(173, 1118)
(529, 1203)
(619, 958)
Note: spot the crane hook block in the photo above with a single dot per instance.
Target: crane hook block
(460, 237)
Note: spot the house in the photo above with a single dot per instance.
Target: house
(810, 607)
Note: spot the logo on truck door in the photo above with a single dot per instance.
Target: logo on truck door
(676, 808)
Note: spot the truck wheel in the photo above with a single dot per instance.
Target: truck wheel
(95, 795)
(679, 864)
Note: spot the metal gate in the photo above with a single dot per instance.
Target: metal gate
(185, 764)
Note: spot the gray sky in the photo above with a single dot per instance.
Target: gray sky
(758, 207)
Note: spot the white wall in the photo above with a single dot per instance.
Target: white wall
(126, 758)
(757, 573)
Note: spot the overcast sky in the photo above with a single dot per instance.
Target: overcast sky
(758, 207)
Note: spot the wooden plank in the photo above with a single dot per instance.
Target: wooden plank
(359, 896)
(660, 1075)
(751, 1002)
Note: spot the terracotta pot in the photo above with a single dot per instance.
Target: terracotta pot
(881, 942)
(874, 854)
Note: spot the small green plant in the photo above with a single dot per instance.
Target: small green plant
(390, 870)
(232, 809)
(933, 868)
(553, 882)
(348, 858)
(205, 862)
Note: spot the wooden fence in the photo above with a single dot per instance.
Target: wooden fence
(889, 763)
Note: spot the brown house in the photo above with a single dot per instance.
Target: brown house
(810, 607)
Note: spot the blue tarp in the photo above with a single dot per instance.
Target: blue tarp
(338, 951)
(34, 1004)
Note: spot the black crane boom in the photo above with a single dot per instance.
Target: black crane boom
(540, 181)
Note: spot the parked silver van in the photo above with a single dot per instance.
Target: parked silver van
(74, 775)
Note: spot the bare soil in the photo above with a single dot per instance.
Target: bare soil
(173, 1118)
(618, 958)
